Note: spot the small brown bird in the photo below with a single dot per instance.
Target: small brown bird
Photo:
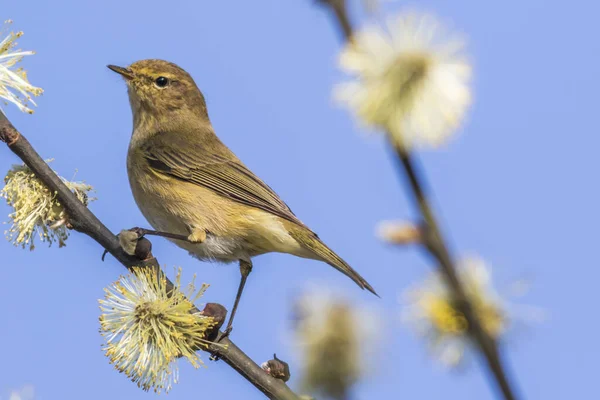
(187, 182)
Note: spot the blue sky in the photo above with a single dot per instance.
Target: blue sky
(518, 186)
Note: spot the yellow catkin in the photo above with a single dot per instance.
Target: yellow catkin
(147, 327)
(36, 210)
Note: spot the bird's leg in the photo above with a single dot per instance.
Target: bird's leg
(128, 237)
(245, 269)
(196, 236)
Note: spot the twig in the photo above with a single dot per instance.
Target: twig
(434, 241)
(338, 7)
(84, 221)
(436, 246)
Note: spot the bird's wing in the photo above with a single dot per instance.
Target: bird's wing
(215, 168)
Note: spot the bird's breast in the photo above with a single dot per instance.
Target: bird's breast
(175, 206)
(171, 204)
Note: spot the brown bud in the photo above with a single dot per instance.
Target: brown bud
(277, 368)
(401, 233)
(218, 313)
(8, 133)
(143, 249)
(134, 245)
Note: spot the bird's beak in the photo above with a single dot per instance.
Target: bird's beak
(126, 72)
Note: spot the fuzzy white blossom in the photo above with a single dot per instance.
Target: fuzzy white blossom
(36, 209)
(148, 325)
(27, 392)
(410, 78)
(433, 311)
(335, 340)
(14, 85)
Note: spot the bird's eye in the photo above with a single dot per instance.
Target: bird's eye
(162, 82)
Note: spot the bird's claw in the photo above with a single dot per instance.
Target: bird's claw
(225, 333)
(128, 240)
(222, 335)
(138, 231)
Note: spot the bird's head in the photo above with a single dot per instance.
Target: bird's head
(161, 92)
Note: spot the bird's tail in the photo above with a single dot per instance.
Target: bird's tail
(311, 242)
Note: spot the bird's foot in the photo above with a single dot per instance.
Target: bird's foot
(128, 240)
(222, 335)
(225, 334)
(133, 243)
(197, 236)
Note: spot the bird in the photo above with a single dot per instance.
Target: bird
(194, 190)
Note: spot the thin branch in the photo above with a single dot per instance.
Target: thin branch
(338, 7)
(434, 241)
(436, 246)
(84, 221)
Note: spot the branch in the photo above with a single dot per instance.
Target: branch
(435, 244)
(84, 221)
(433, 240)
(338, 7)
